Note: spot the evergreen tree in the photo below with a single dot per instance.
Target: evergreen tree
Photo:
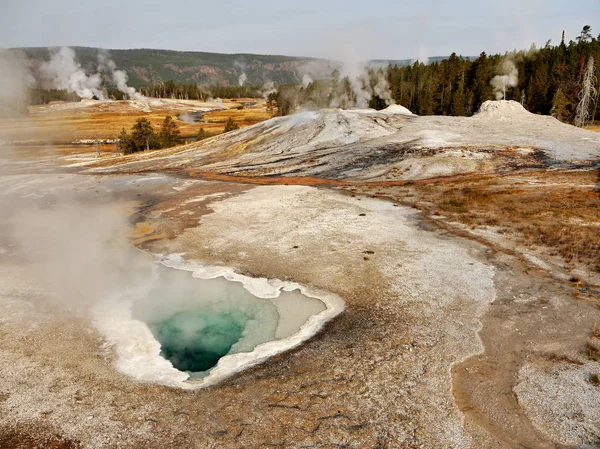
(458, 103)
(271, 104)
(142, 135)
(377, 103)
(169, 133)
(559, 106)
(537, 91)
(126, 145)
(202, 134)
(230, 126)
(586, 34)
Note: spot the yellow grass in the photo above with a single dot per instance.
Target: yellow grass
(66, 123)
(556, 210)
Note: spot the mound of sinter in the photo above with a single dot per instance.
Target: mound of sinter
(502, 110)
(387, 145)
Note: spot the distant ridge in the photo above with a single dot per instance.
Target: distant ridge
(406, 62)
(145, 66)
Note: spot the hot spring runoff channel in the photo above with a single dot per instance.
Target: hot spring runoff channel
(198, 321)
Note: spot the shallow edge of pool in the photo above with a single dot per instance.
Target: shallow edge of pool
(138, 352)
(231, 364)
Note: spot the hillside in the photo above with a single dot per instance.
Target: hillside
(382, 146)
(145, 66)
(407, 62)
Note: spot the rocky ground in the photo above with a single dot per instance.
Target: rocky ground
(378, 146)
(450, 338)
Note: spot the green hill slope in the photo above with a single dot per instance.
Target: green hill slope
(145, 66)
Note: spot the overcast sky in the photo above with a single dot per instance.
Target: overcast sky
(374, 29)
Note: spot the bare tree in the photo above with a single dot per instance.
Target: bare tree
(587, 95)
(595, 109)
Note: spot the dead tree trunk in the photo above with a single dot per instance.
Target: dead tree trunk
(587, 94)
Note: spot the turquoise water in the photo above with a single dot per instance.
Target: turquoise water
(196, 341)
(198, 321)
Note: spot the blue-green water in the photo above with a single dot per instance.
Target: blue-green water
(195, 341)
(198, 321)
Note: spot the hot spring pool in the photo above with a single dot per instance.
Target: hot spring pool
(199, 321)
(190, 326)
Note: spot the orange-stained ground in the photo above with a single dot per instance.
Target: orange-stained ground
(64, 123)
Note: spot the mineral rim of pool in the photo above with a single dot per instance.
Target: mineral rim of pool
(198, 321)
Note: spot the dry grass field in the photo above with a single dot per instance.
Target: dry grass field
(557, 210)
(554, 211)
(65, 123)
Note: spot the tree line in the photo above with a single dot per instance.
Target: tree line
(143, 137)
(45, 96)
(170, 89)
(550, 82)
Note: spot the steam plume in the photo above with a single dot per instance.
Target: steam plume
(382, 87)
(358, 84)
(80, 258)
(306, 80)
(364, 85)
(268, 88)
(119, 77)
(63, 72)
(423, 54)
(241, 65)
(509, 77)
(13, 88)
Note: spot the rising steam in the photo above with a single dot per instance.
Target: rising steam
(509, 77)
(119, 77)
(306, 80)
(268, 89)
(14, 85)
(357, 83)
(364, 84)
(241, 65)
(382, 87)
(63, 72)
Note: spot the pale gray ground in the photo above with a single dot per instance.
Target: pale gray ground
(370, 145)
(405, 373)
(378, 376)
